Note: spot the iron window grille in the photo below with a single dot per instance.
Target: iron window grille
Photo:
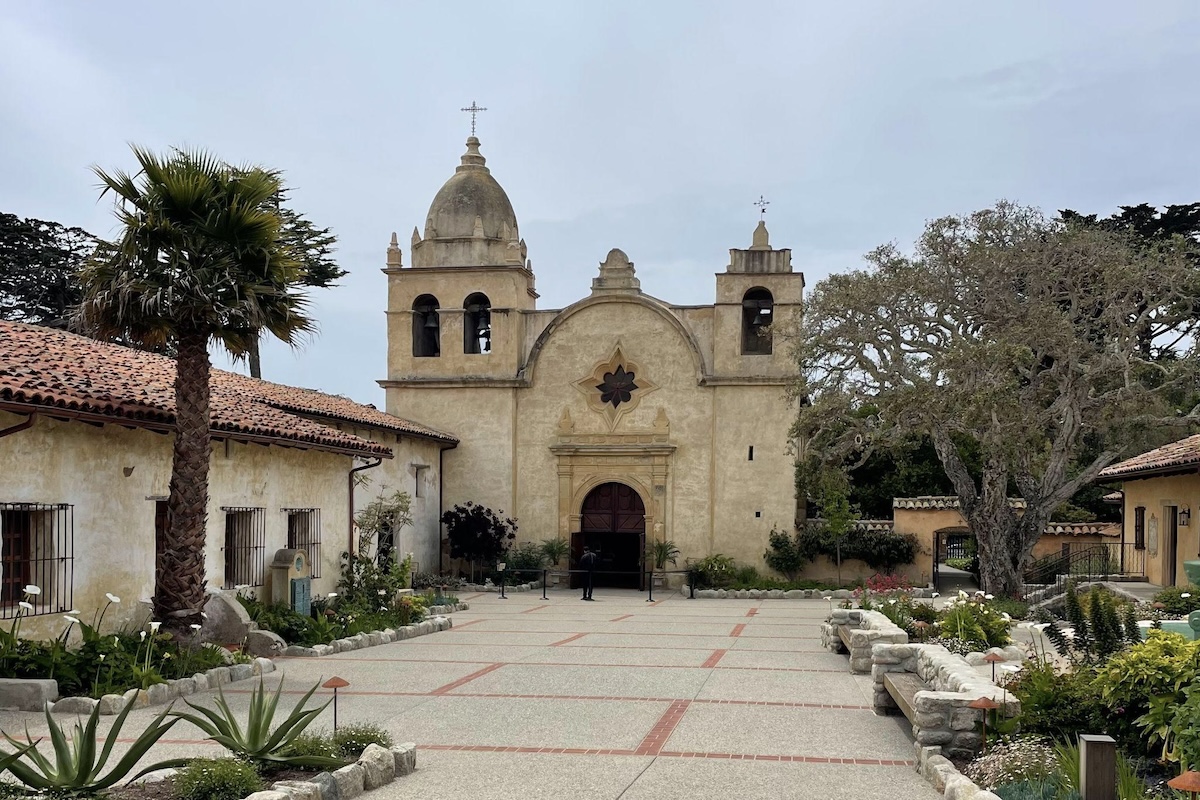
(1139, 528)
(304, 533)
(245, 546)
(37, 548)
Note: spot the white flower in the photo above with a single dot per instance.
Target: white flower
(33, 590)
(331, 595)
(25, 605)
(102, 656)
(989, 597)
(202, 614)
(142, 635)
(112, 598)
(194, 626)
(74, 612)
(936, 594)
(892, 602)
(382, 592)
(962, 595)
(1007, 618)
(70, 619)
(1186, 594)
(154, 626)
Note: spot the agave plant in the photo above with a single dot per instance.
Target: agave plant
(77, 765)
(258, 742)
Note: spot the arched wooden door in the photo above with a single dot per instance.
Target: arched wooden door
(613, 523)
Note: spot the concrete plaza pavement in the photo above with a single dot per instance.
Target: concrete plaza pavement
(618, 698)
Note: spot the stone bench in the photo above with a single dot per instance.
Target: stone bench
(934, 689)
(903, 688)
(855, 631)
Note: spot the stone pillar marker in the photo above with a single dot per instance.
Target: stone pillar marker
(1097, 767)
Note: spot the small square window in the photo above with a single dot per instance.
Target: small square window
(757, 513)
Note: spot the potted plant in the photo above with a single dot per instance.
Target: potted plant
(555, 550)
(662, 552)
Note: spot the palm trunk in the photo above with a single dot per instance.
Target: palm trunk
(179, 580)
(254, 357)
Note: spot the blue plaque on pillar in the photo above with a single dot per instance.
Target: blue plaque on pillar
(302, 595)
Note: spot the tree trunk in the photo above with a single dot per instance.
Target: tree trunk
(254, 357)
(179, 571)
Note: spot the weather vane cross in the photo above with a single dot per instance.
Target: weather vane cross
(762, 207)
(474, 108)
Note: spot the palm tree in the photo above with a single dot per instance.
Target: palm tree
(199, 260)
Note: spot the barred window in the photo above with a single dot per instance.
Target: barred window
(245, 546)
(304, 533)
(37, 548)
(1139, 528)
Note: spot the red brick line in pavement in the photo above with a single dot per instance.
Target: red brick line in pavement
(752, 612)
(466, 624)
(714, 659)
(653, 742)
(464, 680)
(573, 638)
(618, 619)
(705, 665)
(535, 608)
(737, 629)
(473, 596)
(580, 751)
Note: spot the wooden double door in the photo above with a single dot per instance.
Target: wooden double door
(613, 524)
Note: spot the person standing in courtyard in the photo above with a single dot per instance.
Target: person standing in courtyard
(588, 562)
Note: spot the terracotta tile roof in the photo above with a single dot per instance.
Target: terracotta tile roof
(55, 369)
(941, 502)
(1114, 497)
(1083, 529)
(1183, 454)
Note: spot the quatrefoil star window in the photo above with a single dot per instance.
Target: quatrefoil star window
(615, 386)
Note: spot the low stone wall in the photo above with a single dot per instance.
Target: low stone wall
(450, 608)
(867, 628)
(533, 586)
(33, 694)
(942, 718)
(372, 639)
(788, 594)
(945, 777)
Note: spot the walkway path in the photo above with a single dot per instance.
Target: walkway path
(619, 698)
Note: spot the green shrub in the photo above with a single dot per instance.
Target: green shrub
(714, 572)
(880, 549)
(523, 561)
(924, 612)
(1017, 609)
(973, 621)
(217, 779)
(1027, 790)
(784, 553)
(351, 740)
(1097, 631)
(961, 563)
(1059, 705)
(1174, 600)
(315, 744)
(1141, 686)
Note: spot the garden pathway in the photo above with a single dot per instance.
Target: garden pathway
(619, 698)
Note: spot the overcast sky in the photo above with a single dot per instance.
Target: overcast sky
(651, 126)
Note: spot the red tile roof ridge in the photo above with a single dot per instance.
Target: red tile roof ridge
(50, 368)
(1182, 454)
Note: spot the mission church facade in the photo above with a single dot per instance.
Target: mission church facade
(615, 421)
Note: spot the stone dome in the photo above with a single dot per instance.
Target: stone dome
(472, 198)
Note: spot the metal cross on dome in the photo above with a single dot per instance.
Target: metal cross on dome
(474, 108)
(762, 206)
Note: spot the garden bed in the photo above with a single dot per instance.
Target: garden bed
(371, 639)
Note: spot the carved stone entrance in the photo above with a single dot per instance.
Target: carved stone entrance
(637, 461)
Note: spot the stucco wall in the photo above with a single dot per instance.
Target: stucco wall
(1156, 495)
(86, 466)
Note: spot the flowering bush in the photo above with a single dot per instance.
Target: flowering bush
(217, 779)
(1022, 758)
(970, 619)
(887, 584)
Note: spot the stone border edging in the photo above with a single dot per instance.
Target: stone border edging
(945, 778)
(791, 594)
(160, 693)
(532, 586)
(441, 611)
(372, 639)
(376, 767)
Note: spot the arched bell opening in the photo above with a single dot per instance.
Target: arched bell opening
(477, 324)
(427, 327)
(758, 310)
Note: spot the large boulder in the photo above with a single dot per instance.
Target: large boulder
(266, 644)
(227, 621)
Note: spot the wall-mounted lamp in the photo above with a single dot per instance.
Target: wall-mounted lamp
(1185, 516)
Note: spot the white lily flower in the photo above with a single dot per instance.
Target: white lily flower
(989, 597)
(1186, 594)
(102, 656)
(194, 626)
(25, 605)
(892, 602)
(935, 594)
(70, 619)
(33, 590)
(112, 598)
(382, 592)
(1007, 618)
(202, 614)
(331, 595)
(154, 626)
(962, 595)
(142, 635)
